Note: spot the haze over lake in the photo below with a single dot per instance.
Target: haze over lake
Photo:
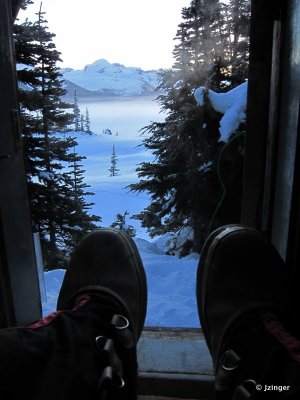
(123, 115)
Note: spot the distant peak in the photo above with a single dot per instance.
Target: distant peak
(101, 61)
(98, 64)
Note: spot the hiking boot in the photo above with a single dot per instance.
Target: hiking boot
(108, 261)
(240, 275)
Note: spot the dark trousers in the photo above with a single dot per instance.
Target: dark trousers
(83, 353)
(71, 354)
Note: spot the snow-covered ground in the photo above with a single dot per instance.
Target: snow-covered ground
(171, 288)
(171, 281)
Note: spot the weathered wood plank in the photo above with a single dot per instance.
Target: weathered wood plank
(174, 351)
(174, 363)
(159, 398)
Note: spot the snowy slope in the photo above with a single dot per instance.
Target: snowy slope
(171, 281)
(111, 193)
(105, 78)
(171, 288)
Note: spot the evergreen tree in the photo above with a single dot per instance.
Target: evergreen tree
(121, 223)
(235, 44)
(183, 179)
(87, 122)
(82, 123)
(77, 116)
(25, 3)
(78, 220)
(43, 115)
(113, 163)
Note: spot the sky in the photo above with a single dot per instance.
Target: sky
(136, 33)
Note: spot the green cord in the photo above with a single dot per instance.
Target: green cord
(236, 135)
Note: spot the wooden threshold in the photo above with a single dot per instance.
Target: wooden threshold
(159, 398)
(174, 363)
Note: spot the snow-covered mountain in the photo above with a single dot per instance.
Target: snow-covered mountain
(106, 79)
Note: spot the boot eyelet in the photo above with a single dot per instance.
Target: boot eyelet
(117, 380)
(100, 342)
(110, 378)
(120, 322)
(230, 361)
(245, 389)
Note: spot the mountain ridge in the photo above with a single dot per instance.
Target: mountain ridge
(101, 78)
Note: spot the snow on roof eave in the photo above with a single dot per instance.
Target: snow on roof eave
(232, 105)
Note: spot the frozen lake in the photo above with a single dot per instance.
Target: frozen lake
(122, 115)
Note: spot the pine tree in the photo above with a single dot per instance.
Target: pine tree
(121, 223)
(234, 42)
(82, 128)
(87, 122)
(239, 24)
(183, 181)
(76, 111)
(179, 142)
(78, 218)
(113, 163)
(43, 115)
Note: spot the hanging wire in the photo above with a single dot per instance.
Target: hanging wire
(235, 136)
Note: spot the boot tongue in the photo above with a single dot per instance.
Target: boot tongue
(250, 348)
(241, 354)
(243, 331)
(244, 322)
